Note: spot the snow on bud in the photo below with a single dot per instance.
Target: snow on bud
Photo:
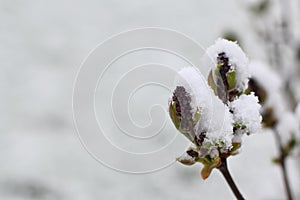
(189, 157)
(199, 114)
(229, 75)
(246, 116)
(184, 109)
(182, 113)
(217, 126)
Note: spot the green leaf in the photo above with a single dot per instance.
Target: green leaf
(231, 79)
(211, 82)
(207, 169)
(197, 115)
(235, 147)
(185, 161)
(173, 116)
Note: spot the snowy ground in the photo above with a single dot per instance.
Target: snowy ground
(42, 46)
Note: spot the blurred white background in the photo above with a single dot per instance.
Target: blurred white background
(42, 44)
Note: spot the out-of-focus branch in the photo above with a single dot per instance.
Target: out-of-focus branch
(282, 163)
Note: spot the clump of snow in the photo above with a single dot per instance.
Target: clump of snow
(236, 57)
(216, 120)
(246, 114)
(219, 130)
(217, 125)
(195, 84)
(287, 126)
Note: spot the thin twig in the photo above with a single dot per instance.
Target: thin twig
(224, 170)
(282, 163)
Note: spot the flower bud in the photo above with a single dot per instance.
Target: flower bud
(229, 75)
(182, 114)
(246, 115)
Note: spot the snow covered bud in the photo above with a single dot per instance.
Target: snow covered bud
(189, 157)
(182, 114)
(188, 102)
(229, 75)
(246, 116)
(202, 118)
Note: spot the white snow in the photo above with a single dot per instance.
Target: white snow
(53, 37)
(186, 158)
(237, 59)
(246, 113)
(215, 118)
(195, 84)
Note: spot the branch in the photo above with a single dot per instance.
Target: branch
(224, 170)
(282, 163)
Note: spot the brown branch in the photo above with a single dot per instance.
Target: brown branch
(224, 170)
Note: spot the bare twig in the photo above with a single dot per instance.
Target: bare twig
(224, 170)
(282, 163)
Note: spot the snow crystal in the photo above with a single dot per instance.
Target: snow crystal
(246, 113)
(287, 125)
(237, 59)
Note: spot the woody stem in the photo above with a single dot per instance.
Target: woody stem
(224, 170)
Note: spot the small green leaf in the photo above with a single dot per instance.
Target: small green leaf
(204, 160)
(185, 161)
(231, 79)
(207, 169)
(197, 115)
(211, 83)
(173, 116)
(235, 147)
